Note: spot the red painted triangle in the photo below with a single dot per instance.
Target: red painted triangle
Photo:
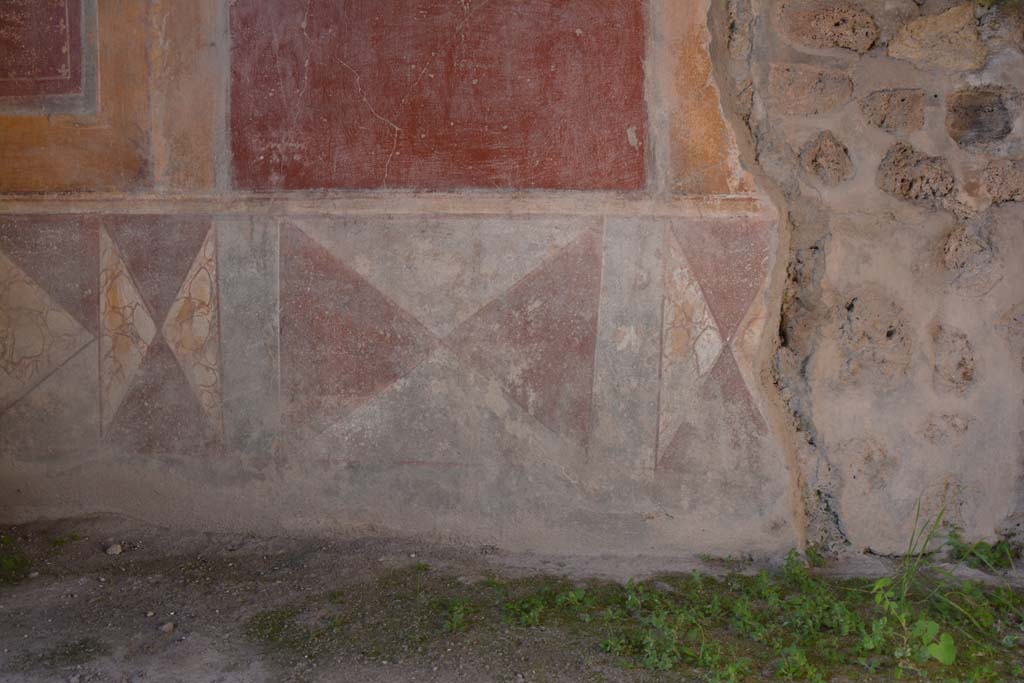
(538, 338)
(342, 341)
(158, 251)
(726, 380)
(160, 413)
(729, 257)
(62, 255)
(728, 416)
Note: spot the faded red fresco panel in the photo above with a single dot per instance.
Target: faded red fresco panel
(342, 341)
(438, 94)
(61, 253)
(40, 47)
(158, 251)
(730, 418)
(730, 259)
(160, 413)
(538, 339)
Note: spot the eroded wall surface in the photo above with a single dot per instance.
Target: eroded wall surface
(891, 133)
(489, 271)
(505, 272)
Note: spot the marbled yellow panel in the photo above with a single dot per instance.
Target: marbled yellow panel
(126, 329)
(192, 331)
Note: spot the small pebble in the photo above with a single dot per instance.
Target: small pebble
(33, 575)
(114, 549)
(149, 614)
(168, 627)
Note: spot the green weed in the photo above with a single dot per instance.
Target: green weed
(796, 667)
(526, 611)
(981, 554)
(794, 622)
(457, 616)
(62, 541)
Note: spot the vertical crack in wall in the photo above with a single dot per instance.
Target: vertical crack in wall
(891, 252)
(801, 264)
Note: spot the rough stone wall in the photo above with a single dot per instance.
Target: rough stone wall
(891, 134)
(488, 270)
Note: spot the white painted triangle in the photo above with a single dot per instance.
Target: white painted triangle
(745, 345)
(476, 423)
(59, 418)
(690, 342)
(443, 270)
(36, 334)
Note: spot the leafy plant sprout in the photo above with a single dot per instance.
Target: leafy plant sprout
(794, 622)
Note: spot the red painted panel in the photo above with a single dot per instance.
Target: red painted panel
(538, 339)
(730, 417)
(158, 251)
(342, 341)
(730, 259)
(61, 253)
(438, 94)
(40, 47)
(160, 413)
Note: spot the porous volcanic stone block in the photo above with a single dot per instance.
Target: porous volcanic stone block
(909, 174)
(976, 116)
(969, 257)
(949, 41)
(805, 89)
(816, 24)
(899, 110)
(954, 359)
(1004, 180)
(875, 338)
(826, 158)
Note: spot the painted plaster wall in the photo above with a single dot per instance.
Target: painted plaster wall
(490, 271)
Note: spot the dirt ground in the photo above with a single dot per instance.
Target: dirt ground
(196, 607)
(84, 615)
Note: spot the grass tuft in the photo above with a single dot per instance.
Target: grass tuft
(791, 624)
